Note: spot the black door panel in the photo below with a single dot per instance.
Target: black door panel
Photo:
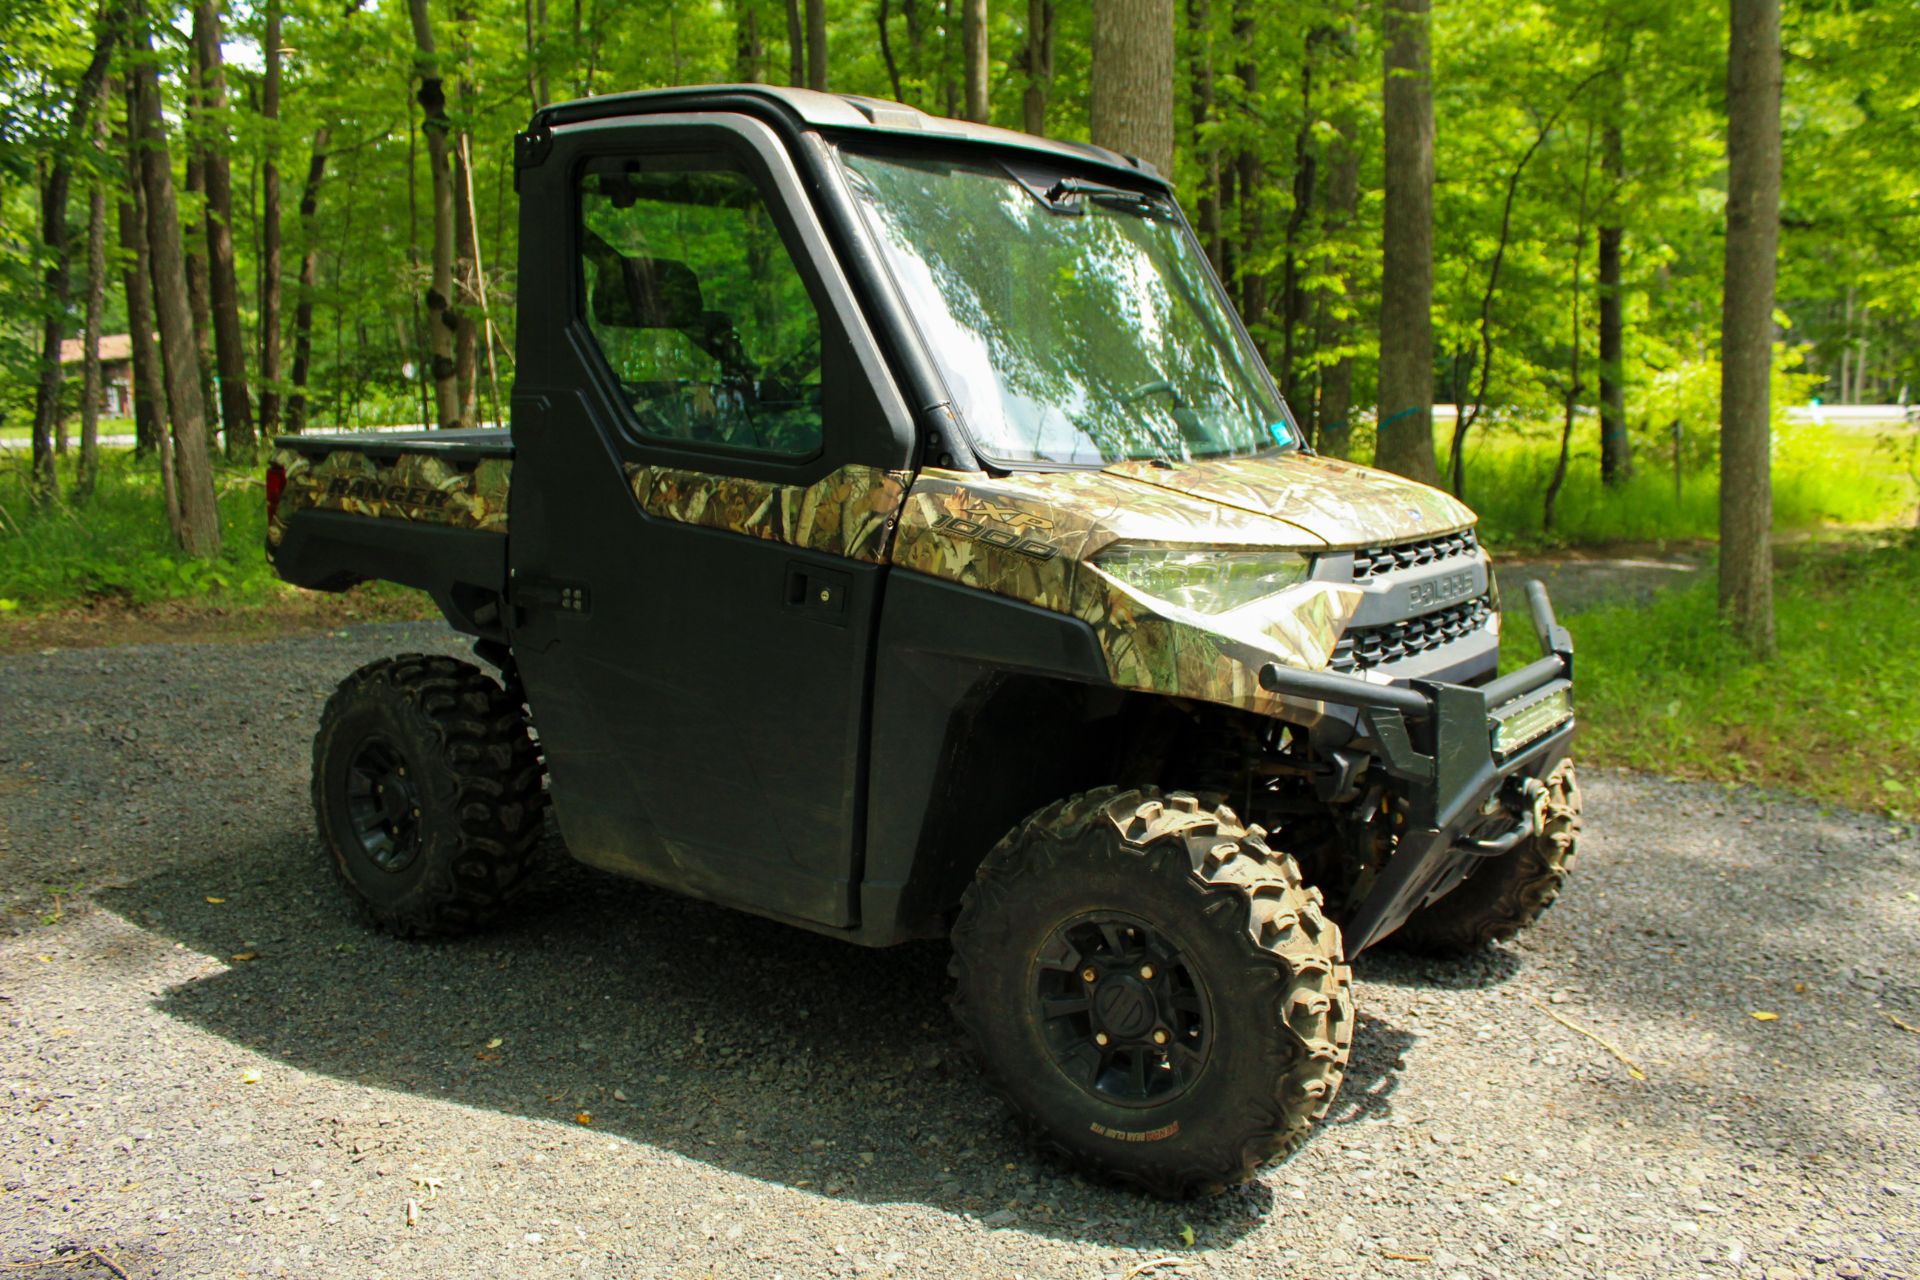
(701, 692)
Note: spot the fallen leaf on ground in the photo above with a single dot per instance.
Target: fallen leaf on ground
(250, 1076)
(1406, 1257)
(1186, 1235)
(583, 1117)
(495, 1043)
(216, 901)
(245, 956)
(1761, 1016)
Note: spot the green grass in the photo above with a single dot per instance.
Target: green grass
(22, 429)
(114, 548)
(1822, 476)
(1835, 714)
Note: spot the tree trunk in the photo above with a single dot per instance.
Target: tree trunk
(149, 382)
(1039, 67)
(1575, 388)
(1293, 296)
(1131, 79)
(195, 231)
(1746, 320)
(1335, 414)
(442, 320)
(817, 45)
(749, 53)
(1616, 450)
(1200, 103)
(53, 234)
(1406, 286)
(1250, 175)
(223, 290)
(466, 281)
(199, 531)
(96, 309)
(270, 231)
(916, 21)
(973, 52)
(881, 18)
(536, 14)
(949, 98)
(309, 276)
(796, 46)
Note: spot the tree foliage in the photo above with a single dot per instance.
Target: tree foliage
(1278, 156)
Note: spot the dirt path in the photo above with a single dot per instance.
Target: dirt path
(1579, 582)
(621, 1083)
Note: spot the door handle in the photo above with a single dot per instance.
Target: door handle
(817, 593)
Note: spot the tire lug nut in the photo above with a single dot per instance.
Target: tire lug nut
(1088, 974)
(1100, 1038)
(1146, 971)
(1159, 1036)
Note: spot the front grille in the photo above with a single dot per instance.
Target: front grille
(1364, 647)
(1375, 561)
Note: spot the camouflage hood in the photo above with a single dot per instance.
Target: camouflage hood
(1340, 504)
(1037, 537)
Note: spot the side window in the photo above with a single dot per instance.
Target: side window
(696, 305)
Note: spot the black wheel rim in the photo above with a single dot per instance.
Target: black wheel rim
(1122, 1009)
(383, 804)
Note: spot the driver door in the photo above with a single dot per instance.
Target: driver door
(708, 456)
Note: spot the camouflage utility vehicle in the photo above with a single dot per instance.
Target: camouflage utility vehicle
(899, 536)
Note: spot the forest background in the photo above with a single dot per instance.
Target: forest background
(336, 170)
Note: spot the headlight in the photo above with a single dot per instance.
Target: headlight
(1519, 723)
(1202, 579)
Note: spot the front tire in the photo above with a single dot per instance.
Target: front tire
(1511, 892)
(1153, 989)
(427, 788)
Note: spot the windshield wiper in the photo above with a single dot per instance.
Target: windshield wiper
(1060, 192)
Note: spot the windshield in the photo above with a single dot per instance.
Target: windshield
(1073, 322)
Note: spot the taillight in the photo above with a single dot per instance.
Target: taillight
(276, 485)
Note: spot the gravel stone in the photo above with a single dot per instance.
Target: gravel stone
(191, 1115)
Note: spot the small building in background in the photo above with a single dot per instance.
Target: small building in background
(116, 371)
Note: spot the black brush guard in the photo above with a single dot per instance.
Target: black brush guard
(1441, 742)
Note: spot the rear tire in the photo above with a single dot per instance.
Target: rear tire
(1195, 951)
(428, 793)
(1511, 892)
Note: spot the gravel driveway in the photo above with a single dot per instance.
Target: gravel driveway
(207, 1068)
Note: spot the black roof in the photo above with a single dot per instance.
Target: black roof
(835, 111)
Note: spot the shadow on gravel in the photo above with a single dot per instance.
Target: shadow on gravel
(1373, 1072)
(1477, 972)
(733, 1041)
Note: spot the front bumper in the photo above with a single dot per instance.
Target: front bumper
(1464, 757)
